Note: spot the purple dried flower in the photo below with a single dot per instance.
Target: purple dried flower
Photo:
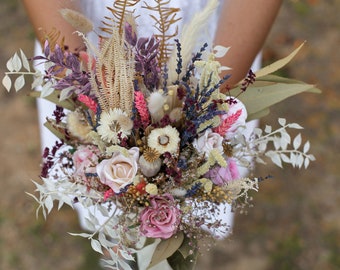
(146, 61)
(63, 60)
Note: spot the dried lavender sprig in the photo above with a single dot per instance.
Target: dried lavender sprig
(191, 67)
(179, 57)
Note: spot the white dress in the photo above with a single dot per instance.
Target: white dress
(96, 10)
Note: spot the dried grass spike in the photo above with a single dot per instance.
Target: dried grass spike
(77, 20)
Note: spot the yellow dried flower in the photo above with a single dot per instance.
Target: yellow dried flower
(151, 154)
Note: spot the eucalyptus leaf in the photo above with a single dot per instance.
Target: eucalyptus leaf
(55, 131)
(54, 98)
(278, 64)
(257, 99)
(166, 248)
(143, 255)
(270, 79)
(185, 257)
(178, 262)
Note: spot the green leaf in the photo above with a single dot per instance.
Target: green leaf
(144, 254)
(278, 64)
(166, 248)
(268, 79)
(258, 99)
(54, 98)
(52, 127)
(184, 258)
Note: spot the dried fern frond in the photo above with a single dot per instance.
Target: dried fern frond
(115, 73)
(163, 22)
(53, 37)
(188, 38)
(120, 10)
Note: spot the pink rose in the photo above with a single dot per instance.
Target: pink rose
(161, 218)
(208, 141)
(85, 160)
(119, 171)
(220, 175)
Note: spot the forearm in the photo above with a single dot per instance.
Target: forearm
(44, 16)
(244, 26)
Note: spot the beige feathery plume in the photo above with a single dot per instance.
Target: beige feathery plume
(188, 38)
(77, 20)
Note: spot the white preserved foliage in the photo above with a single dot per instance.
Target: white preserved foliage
(277, 145)
(18, 67)
(105, 235)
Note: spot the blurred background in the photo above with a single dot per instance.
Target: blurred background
(295, 221)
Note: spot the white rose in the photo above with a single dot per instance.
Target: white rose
(118, 171)
(208, 141)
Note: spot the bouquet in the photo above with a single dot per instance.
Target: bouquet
(149, 145)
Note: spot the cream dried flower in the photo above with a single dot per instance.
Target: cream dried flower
(151, 189)
(113, 125)
(164, 139)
